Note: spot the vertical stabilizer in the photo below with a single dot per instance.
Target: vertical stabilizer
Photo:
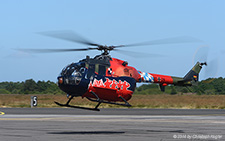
(193, 74)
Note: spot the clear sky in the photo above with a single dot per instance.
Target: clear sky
(108, 22)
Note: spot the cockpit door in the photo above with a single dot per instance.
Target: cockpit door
(91, 70)
(95, 68)
(101, 70)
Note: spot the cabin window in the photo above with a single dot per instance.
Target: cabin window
(101, 70)
(91, 70)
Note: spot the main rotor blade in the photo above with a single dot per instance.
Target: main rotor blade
(174, 40)
(137, 54)
(54, 50)
(69, 36)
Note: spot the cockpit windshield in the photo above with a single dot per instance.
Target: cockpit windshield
(74, 69)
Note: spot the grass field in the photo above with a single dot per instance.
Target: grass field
(137, 101)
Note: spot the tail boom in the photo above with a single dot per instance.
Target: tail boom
(164, 80)
(158, 78)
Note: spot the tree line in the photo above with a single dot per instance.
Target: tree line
(29, 87)
(208, 86)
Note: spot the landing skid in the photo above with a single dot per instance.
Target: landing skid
(78, 107)
(94, 100)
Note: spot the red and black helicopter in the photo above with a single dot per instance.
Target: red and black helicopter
(104, 79)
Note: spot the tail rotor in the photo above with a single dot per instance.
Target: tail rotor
(211, 70)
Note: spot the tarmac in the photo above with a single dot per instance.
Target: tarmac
(57, 124)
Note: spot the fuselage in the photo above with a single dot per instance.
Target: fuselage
(111, 78)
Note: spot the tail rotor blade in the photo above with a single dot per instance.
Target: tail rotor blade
(212, 68)
(201, 54)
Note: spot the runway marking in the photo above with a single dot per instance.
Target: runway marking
(2, 113)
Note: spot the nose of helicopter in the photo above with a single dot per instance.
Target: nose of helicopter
(72, 85)
(60, 80)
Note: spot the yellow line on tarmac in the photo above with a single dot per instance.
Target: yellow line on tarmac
(2, 113)
(26, 119)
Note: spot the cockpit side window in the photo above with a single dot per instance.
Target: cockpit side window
(91, 70)
(101, 70)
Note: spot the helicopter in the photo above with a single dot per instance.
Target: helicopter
(104, 79)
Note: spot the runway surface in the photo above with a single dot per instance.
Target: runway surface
(57, 124)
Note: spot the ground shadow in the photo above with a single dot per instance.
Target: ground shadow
(174, 131)
(113, 132)
(87, 132)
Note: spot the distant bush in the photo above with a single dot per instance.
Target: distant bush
(30, 87)
(3, 91)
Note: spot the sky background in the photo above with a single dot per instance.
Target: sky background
(112, 22)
